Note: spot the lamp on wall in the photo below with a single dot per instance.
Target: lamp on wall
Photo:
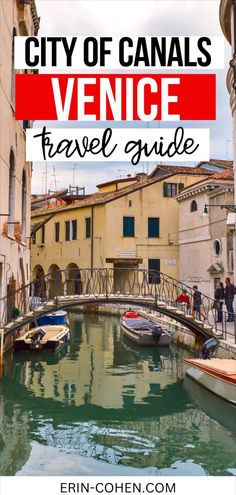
(231, 208)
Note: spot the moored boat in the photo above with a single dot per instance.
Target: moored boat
(143, 331)
(55, 318)
(46, 338)
(217, 375)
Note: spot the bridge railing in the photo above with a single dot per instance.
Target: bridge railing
(109, 282)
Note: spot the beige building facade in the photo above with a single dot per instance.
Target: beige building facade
(122, 226)
(17, 18)
(228, 25)
(206, 232)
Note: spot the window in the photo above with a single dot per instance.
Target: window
(57, 231)
(130, 203)
(128, 226)
(169, 190)
(43, 234)
(23, 204)
(71, 230)
(87, 227)
(217, 247)
(12, 68)
(231, 261)
(11, 193)
(193, 206)
(153, 227)
(153, 271)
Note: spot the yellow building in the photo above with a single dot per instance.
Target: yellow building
(130, 223)
(17, 17)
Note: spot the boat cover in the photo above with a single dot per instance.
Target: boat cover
(143, 325)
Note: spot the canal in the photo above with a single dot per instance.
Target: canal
(105, 407)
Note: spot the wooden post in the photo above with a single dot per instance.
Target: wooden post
(1, 350)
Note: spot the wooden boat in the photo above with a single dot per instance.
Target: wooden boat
(143, 331)
(46, 338)
(217, 375)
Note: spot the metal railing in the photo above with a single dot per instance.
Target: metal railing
(110, 283)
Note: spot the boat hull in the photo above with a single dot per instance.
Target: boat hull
(222, 385)
(56, 336)
(144, 337)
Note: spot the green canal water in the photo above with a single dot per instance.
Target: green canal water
(105, 407)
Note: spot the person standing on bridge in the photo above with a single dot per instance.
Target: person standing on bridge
(219, 299)
(229, 298)
(183, 298)
(197, 302)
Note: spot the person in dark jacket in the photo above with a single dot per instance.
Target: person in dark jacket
(219, 299)
(229, 298)
(197, 301)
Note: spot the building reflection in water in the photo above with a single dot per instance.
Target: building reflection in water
(107, 399)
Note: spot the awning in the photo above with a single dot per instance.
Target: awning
(215, 268)
(36, 226)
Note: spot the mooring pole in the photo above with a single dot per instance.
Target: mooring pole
(1, 350)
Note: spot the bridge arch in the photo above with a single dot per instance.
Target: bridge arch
(81, 286)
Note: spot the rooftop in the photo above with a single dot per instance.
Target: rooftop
(178, 169)
(103, 198)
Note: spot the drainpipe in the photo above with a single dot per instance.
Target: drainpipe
(92, 238)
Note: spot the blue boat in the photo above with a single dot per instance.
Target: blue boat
(56, 318)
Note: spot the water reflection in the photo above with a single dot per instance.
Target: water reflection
(105, 399)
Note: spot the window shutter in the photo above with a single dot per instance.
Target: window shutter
(74, 230)
(165, 189)
(128, 226)
(68, 231)
(181, 186)
(153, 227)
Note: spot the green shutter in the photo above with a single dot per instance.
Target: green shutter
(165, 189)
(128, 226)
(180, 186)
(153, 227)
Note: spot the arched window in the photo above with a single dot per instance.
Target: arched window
(217, 247)
(11, 193)
(12, 68)
(23, 204)
(193, 206)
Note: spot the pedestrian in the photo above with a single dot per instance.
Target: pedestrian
(183, 298)
(219, 299)
(229, 298)
(197, 301)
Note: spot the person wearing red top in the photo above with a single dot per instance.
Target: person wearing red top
(183, 298)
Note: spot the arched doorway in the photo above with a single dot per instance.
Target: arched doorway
(55, 282)
(73, 279)
(39, 284)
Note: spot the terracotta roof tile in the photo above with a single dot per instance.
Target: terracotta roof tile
(227, 174)
(216, 176)
(178, 169)
(102, 198)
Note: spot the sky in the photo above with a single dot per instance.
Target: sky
(131, 18)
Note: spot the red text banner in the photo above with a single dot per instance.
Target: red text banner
(116, 97)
